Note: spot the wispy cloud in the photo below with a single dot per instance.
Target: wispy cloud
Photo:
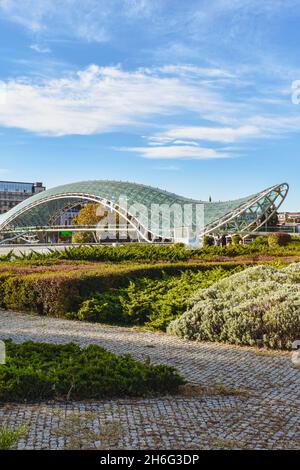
(101, 99)
(40, 49)
(211, 134)
(192, 70)
(29, 13)
(177, 151)
(91, 20)
(105, 99)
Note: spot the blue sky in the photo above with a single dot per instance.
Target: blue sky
(194, 97)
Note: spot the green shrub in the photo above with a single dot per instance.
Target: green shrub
(208, 240)
(59, 292)
(257, 306)
(18, 293)
(278, 239)
(145, 301)
(261, 241)
(40, 371)
(9, 437)
(235, 239)
(149, 253)
(104, 307)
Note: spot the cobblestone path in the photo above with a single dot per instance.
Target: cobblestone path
(252, 398)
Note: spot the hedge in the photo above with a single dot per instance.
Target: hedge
(149, 253)
(58, 293)
(40, 371)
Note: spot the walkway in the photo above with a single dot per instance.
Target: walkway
(240, 398)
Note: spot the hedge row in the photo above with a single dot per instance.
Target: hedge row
(275, 244)
(58, 293)
(40, 371)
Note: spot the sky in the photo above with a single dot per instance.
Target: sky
(198, 97)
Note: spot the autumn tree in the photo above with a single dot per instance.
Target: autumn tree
(90, 214)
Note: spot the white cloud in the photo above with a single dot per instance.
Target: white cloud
(3, 95)
(104, 99)
(40, 49)
(177, 151)
(185, 142)
(272, 125)
(28, 13)
(190, 70)
(90, 20)
(101, 99)
(212, 134)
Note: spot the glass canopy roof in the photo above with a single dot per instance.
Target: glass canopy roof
(245, 213)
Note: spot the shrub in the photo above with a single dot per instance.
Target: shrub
(150, 302)
(261, 241)
(208, 240)
(235, 239)
(9, 437)
(148, 253)
(278, 239)
(257, 306)
(18, 293)
(104, 307)
(45, 295)
(39, 371)
(59, 292)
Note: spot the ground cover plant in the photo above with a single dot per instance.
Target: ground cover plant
(275, 244)
(60, 290)
(39, 371)
(259, 306)
(122, 292)
(149, 302)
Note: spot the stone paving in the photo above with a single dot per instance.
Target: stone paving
(251, 398)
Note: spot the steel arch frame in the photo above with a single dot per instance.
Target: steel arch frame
(141, 230)
(146, 234)
(281, 190)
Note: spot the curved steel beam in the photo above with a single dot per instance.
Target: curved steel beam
(282, 191)
(141, 230)
(145, 233)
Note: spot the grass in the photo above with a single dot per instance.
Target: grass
(9, 437)
(86, 431)
(197, 390)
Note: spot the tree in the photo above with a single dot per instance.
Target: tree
(90, 214)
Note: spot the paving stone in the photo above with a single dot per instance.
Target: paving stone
(268, 417)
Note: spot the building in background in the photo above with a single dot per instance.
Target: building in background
(289, 217)
(289, 221)
(13, 192)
